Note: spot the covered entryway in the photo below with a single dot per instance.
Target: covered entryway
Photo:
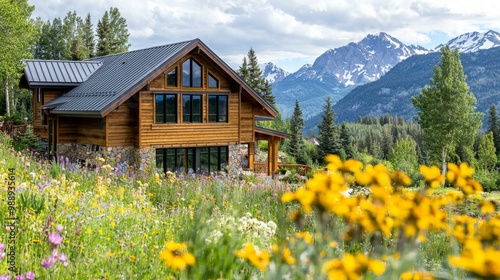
(273, 138)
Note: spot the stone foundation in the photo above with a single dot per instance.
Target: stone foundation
(87, 154)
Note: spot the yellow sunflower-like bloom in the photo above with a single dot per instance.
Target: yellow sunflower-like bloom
(483, 263)
(176, 256)
(432, 175)
(258, 259)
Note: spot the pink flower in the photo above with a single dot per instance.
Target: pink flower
(2, 255)
(30, 275)
(55, 239)
(46, 264)
(20, 277)
(2, 247)
(4, 277)
(59, 228)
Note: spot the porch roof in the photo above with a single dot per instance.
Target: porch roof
(262, 133)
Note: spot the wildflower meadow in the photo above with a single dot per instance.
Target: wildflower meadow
(348, 221)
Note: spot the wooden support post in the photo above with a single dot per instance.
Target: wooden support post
(269, 158)
(274, 142)
(251, 154)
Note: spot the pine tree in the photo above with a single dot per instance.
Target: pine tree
(494, 126)
(118, 42)
(88, 36)
(252, 74)
(446, 110)
(297, 147)
(103, 36)
(328, 138)
(346, 140)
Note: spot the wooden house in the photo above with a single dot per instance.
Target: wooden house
(177, 106)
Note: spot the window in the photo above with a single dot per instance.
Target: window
(178, 160)
(166, 108)
(191, 108)
(217, 108)
(212, 81)
(191, 73)
(38, 95)
(188, 160)
(172, 78)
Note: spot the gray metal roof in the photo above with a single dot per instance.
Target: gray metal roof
(58, 72)
(117, 76)
(121, 75)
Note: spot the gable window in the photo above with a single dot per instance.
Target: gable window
(217, 108)
(166, 108)
(191, 73)
(191, 108)
(172, 78)
(212, 81)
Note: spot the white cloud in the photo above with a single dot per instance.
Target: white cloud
(283, 30)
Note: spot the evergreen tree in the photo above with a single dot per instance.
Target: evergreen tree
(103, 36)
(346, 140)
(494, 126)
(252, 74)
(296, 147)
(88, 36)
(118, 42)
(486, 153)
(328, 138)
(446, 110)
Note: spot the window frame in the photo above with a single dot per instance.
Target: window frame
(191, 115)
(218, 114)
(211, 76)
(176, 76)
(190, 76)
(164, 114)
(179, 156)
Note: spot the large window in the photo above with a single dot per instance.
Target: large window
(217, 108)
(166, 108)
(192, 160)
(191, 108)
(191, 73)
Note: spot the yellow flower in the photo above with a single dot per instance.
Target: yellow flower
(487, 207)
(258, 259)
(306, 236)
(176, 256)
(432, 175)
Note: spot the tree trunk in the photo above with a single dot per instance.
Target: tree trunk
(7, 101)
(443, 161)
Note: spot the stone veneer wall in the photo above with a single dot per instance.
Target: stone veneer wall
(236, 155)
(77, 152)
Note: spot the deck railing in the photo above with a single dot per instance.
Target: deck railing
(301, 169)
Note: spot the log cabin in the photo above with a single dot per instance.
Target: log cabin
(177, 107)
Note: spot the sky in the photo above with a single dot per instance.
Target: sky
(289, 33)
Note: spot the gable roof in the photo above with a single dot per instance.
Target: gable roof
(122, 75)
(51, 73)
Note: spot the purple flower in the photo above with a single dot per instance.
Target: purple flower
(4, 277)
(46, 264)
(20, 277)
(59, 228)
(30, 275)
(55, 239)
(2, 255)
(2, 247)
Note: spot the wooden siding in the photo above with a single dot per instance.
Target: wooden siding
(186, 134)
(121, 125)
(46, 95)
(81, 130)
(247, 123)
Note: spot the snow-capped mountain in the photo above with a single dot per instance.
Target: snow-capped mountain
(337, 71)
(473, 41)
(273, 73)
(365, 61)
